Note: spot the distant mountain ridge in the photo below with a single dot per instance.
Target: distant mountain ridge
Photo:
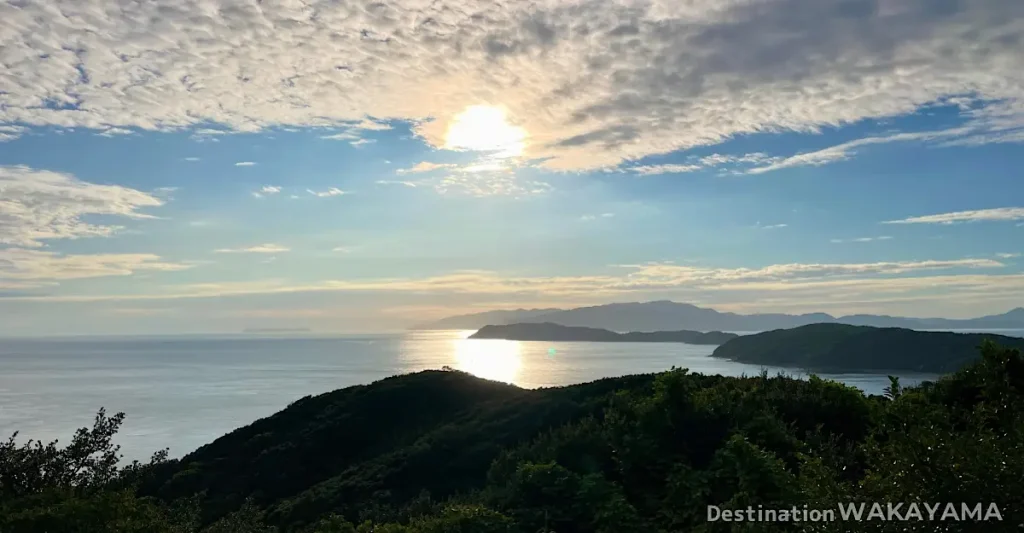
(479, 320)
(546, 331)
(664, 315)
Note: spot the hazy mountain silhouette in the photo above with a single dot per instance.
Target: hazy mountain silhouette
(665, 315)
(546, 331)
(479, 320)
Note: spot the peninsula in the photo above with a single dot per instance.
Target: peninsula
(546, 331)
(845, 348)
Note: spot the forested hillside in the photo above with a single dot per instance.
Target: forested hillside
(845, 348)
(442, 451)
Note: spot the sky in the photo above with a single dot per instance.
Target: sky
(199, 166)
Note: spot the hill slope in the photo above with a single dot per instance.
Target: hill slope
(846, 348)
(549, 332)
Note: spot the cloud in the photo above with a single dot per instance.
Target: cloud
(1007, 255)
(245, 164)
(343, 136)
(425, 166)
(593, 84)
(342, 249)
(141, 311)
(706, 162)
(587, 218)
(863, 239)
(268, 248)
(411, 184)
(844, 151)
(115, 132)
(772, 226)
(10, 132)
(333, 191)
(371, 125)
(652, 170)
(267, 190)
(812, 280)
(501, 182)
(354, 132)
(22, 264)
(192, 159)
(40, 205)
(981, 215)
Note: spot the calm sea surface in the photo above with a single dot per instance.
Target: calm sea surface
(183, 392)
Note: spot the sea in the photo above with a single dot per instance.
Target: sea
(182, 392)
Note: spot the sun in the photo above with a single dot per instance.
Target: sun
(484, 128)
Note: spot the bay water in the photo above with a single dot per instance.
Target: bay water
(184, 391)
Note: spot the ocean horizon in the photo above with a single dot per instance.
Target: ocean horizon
(184, 391)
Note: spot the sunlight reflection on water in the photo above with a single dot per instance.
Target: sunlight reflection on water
(493, 359)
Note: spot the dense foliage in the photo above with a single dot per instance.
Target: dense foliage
(441, 451)
(845, 348)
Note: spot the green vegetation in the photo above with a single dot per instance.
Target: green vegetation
(441, 452)
(547, 331)
(844, 348)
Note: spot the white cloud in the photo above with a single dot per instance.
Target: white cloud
(115, 132)
(652, 170)
(21, 264)
(371, 125)
(425, 166)
(268, 248)
(980, 215)
(706, 162)
(1007, 255)
(592, 83)
(863, 239)
(267, 190)
(10, 132)
(411, 184)
(342, 249)
(494, 183)
(844, 151)
(361, 142)
(332, 191)
(192, 159)
(343, 136)
(245, 164)
(810, 283)
(773, 226)
(39, 205)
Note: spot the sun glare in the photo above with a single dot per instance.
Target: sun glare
(497, 360)
(485, 128)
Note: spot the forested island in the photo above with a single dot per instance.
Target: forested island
(845, 348)
(442, 452)
(554, 332)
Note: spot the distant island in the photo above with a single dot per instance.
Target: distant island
(669, 316)
(276, 330)
(846, 348)
(547, 331)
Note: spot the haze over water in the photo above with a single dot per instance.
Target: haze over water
(183, 392)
